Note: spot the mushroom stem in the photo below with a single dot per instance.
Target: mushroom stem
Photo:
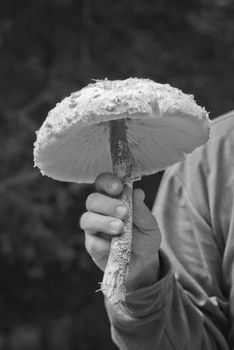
(125, 167)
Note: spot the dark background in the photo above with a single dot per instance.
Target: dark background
(49, 48)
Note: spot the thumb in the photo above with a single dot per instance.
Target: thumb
(142, 216)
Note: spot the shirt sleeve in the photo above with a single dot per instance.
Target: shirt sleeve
(186, 309)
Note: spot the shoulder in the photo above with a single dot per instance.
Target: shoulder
(218, 149)
(208, 171)
(222, 125)
(203, 184)
(221, 135)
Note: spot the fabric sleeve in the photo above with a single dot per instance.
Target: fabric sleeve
(185, 309)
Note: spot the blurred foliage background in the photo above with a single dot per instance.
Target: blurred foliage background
(49, 48)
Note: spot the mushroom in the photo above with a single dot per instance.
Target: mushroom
(133, 127)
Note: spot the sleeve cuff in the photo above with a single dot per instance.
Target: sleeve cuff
(151, 299)
(148, 300)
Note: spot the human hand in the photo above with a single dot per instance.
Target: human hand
(102, 210)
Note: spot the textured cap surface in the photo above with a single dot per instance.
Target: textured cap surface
(162, 125)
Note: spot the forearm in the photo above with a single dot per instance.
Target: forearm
(163, 316)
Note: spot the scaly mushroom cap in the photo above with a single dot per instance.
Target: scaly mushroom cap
(163, 124)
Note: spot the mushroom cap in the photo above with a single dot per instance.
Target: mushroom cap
(162, 125)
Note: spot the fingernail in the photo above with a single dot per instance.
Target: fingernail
(115, 226)
(121, 211)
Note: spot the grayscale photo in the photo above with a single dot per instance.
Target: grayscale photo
(117, 175)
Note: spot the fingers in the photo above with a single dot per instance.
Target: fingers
(109, 183)
(104, 218)
(101, 204)
(98, 229)
(97, 247)
(93, 223)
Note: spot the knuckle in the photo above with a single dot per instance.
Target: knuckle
(100, 181)
(90, 199)
(108, 183)
(90, 245)
(83, 220)
(100, 177)
(104, 223)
